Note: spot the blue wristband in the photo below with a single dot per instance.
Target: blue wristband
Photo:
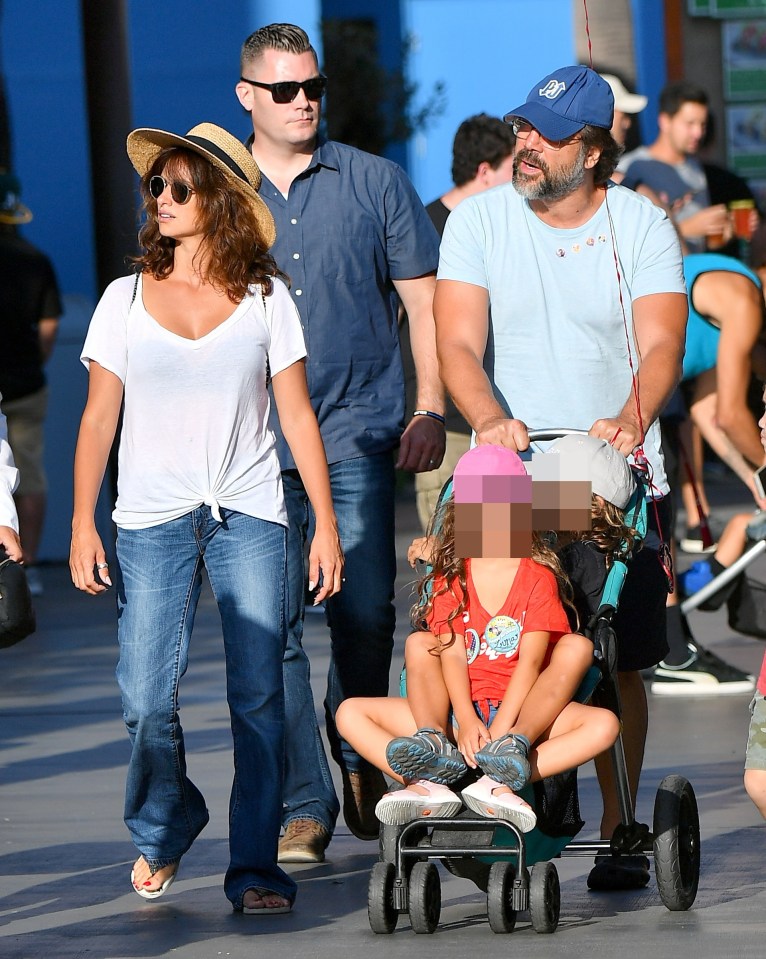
(434, 416)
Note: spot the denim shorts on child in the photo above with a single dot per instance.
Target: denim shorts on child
(755, 755)
(485, 710)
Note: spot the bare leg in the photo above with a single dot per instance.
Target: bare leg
(555, 686)
(732, 543)
(692, 455)
(577, 735)
(755, 784)
(369, 725)
(426, 691)
(635, 722)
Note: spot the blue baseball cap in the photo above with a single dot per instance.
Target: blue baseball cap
(562, 103)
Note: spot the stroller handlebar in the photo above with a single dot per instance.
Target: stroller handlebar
(553, 433)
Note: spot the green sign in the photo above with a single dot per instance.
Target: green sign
(737, 8)
(699, 8)
(744, 59)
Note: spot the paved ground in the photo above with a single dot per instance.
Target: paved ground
(65, 856)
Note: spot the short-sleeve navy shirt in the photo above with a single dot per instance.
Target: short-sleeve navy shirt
(351, 224)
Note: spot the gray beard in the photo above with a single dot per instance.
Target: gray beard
(551, 185)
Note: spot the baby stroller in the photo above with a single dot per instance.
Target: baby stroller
(514, 868)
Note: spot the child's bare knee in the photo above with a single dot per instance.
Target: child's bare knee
(419, 644)
(579, 647)
(346, 715)
(606, 729)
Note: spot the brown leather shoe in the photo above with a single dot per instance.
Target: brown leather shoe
(305, 840)
(361, 792)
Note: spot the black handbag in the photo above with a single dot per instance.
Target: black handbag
(17, 614)
(747, 608)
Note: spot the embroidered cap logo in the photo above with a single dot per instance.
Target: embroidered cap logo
(552, 89)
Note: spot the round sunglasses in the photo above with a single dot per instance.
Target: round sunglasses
(287, 90)
(180, 191)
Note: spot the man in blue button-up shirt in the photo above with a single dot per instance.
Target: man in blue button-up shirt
(354, 239)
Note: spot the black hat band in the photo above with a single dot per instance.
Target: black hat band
(221, 155)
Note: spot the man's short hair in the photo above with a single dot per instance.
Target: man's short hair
(284, 37)
(479, 139)
(675, 95)
(610, 152)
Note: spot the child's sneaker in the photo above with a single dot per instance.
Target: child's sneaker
(426, 755)
(403, 805)
(487, 797)
(506, 759)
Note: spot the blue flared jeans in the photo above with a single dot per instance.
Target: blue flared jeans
(361, 618)
(160, 583)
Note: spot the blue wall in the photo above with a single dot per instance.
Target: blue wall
(45, 87)
(650, 53)
(488, 53)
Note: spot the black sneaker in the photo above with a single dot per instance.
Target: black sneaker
(616, 873)
(703, 674)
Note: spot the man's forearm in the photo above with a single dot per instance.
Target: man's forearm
(469, 387)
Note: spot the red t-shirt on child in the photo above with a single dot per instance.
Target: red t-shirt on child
(492, 641)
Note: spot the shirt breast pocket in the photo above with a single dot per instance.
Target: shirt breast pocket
(352, 257)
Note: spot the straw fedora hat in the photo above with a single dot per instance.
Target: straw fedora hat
(219, 147)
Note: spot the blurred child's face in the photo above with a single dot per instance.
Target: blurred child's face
(493, 517)
(561, 492)
(496, 515)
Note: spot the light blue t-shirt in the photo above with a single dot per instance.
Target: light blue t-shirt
(558, 351)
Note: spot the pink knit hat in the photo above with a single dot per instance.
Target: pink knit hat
(491, 474)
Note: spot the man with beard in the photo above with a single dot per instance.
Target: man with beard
(585, 284)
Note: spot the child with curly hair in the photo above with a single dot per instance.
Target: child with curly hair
(496, 669)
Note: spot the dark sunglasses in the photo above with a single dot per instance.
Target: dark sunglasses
(179, 190)
(287, 90)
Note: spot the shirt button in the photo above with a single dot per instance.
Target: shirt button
(293, 221)
(296, 256)
(299, 292)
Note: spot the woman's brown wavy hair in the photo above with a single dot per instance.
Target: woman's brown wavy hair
(232, 254)
(449, 568)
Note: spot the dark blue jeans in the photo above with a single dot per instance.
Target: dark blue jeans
(161, 572)
(361, 620)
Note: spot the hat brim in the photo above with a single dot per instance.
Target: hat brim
(549, 124)
(630, 102)
(145, 145)
(16, 215)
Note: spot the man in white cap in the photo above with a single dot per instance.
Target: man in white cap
(626, 106)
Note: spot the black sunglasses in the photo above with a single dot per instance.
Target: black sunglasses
(287, 90)
(179, 190)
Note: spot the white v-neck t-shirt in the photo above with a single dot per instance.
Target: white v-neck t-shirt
(195, 428)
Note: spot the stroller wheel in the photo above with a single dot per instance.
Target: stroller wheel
(676, 843)
(425, 898)
(380, 899)
(544, 897)
(502, 917)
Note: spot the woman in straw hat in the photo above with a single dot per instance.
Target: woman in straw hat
(189, 344)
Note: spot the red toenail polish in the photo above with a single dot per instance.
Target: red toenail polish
(148, 882)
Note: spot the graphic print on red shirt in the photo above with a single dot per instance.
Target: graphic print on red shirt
(492, 641)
